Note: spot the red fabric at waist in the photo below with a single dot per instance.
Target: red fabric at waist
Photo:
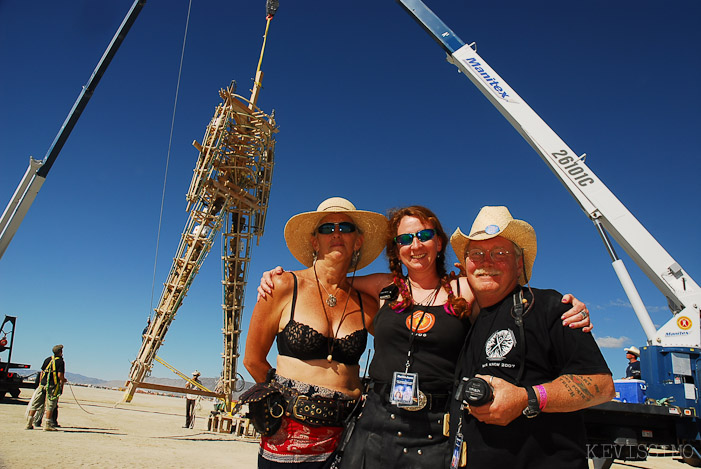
(297, 442)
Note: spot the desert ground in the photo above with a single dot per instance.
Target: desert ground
(97, 430)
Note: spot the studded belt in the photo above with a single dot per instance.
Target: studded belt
(317, 411)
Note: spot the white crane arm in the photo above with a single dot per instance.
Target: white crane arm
(597, 201)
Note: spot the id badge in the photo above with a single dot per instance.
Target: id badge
(457, 450)
(405, 388)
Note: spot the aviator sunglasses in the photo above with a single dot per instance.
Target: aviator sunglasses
(408, 238)
(478, 255)
(343, 227)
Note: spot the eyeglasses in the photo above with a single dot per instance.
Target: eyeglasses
(343, 227)
(408, 238)
(477, 255)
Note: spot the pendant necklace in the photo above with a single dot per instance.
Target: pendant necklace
(331, 340)
(430, 298)
(331, 300)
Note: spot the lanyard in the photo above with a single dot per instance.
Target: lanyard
(411, 338)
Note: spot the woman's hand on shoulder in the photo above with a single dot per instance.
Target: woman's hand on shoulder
(578, 316)
(267, 284)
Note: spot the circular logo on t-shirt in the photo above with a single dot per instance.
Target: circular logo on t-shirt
(499, 344)
(684, 323)
(420, 325)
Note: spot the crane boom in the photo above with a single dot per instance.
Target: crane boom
(37, 171)
(610, 216)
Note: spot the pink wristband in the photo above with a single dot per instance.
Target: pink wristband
(542, 396)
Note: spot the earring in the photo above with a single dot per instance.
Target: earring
(315, 255)
(355, 258)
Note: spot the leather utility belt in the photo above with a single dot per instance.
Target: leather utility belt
(432, 402)
(269, 401)
(317, 411)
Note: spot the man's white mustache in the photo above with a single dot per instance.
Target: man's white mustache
(487, 272)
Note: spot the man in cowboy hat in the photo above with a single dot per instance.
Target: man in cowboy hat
(538, 371)
(633, 368)
(190, 400)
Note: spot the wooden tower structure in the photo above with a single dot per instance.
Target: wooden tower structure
(229, 195)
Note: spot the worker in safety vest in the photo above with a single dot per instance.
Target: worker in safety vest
(50, 388)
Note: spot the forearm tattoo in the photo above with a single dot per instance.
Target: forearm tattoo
(579, 387)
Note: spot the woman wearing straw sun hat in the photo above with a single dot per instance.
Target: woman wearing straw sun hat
(321, 323)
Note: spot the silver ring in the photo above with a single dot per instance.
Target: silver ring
(584, 315)
(491, 378)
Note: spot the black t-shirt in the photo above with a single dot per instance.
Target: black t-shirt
(495, 348)
(48, 370)
(633, 370)
(435, 347)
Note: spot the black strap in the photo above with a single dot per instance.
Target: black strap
(409, 357)
(360, 303)
(517, 313)
(294, 297)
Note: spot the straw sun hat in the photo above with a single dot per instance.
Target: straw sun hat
(497, 221)
(300, 228)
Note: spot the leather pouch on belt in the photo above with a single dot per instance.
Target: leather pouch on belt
(266, 406)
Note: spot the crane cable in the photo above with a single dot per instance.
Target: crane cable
(170, 143)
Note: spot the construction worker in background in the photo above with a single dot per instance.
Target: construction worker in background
(191, 399)
(50, 388)
(633, 368)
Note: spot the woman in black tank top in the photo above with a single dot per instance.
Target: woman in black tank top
(319, 321)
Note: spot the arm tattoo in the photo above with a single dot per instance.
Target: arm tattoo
(578, 386)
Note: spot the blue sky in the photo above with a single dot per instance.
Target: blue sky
(368, 109)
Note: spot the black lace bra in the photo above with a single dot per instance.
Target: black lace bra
(301, 341)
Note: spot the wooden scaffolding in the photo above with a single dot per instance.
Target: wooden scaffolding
(228, 194)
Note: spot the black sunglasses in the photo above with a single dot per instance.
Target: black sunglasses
(343, 227)
(408, 238)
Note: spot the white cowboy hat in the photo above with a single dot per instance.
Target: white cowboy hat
(300, 228)
(195, 373)
(634, 350)
(497, 221)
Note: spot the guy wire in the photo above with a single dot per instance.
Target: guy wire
(170, 143)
